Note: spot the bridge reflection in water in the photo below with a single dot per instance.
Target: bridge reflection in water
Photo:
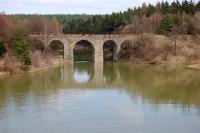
(157, 84)
(82, 97)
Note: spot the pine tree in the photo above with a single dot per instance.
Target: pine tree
(166, 24)
(165, 8)
(175, 7)
(20, 45)
(150, 10)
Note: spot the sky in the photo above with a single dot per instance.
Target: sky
(70, 6)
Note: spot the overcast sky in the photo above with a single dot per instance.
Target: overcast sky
(69, 6)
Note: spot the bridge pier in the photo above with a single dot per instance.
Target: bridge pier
(98, 58)
(68, 51)
(116, 53)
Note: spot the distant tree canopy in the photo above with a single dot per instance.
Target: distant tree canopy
(111, 23)
(146, 18)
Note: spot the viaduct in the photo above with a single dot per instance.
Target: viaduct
(97, 40)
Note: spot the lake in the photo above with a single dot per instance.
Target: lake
(94, 98)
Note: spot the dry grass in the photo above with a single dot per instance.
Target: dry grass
(150, 48)
(9, 64)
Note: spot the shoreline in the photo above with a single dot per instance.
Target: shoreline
(34, 69)
(62, 62)
(194, 66)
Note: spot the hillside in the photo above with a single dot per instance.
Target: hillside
(152, 49)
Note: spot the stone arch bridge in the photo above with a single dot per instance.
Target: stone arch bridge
(97, 40)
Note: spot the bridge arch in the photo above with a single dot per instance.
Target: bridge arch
(126, 49)
(36, 44)
(56, 47)
(110, 50)
(84, 50)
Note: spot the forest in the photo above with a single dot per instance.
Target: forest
(163, 18)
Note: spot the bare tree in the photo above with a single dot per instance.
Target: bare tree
(175, 31)
(196, 22)
(135, 24)
(4, 25)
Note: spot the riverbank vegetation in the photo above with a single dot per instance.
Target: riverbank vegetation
(18, 52)
(176, 20)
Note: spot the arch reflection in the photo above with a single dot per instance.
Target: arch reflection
(109, 72)
(83, 72)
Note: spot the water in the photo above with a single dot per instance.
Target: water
(114, 98)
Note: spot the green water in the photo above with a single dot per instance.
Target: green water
(109, 98)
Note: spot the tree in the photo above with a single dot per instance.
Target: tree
(20, 45)
(36, 24)
(195, 22)
(53, 25)
(135, 24)
(175, 31)
(128, 15)
(158, 6)
(175, 7)
(150, 10)
(188, 7)
(168, 22)
(155, 21)
(165, 8)
(143, 9)
(4, 26)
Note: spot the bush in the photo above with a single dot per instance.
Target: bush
(2, 48)
(26, 60)
(36, 45)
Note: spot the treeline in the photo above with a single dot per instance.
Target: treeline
(164, 17)
(183, 17)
